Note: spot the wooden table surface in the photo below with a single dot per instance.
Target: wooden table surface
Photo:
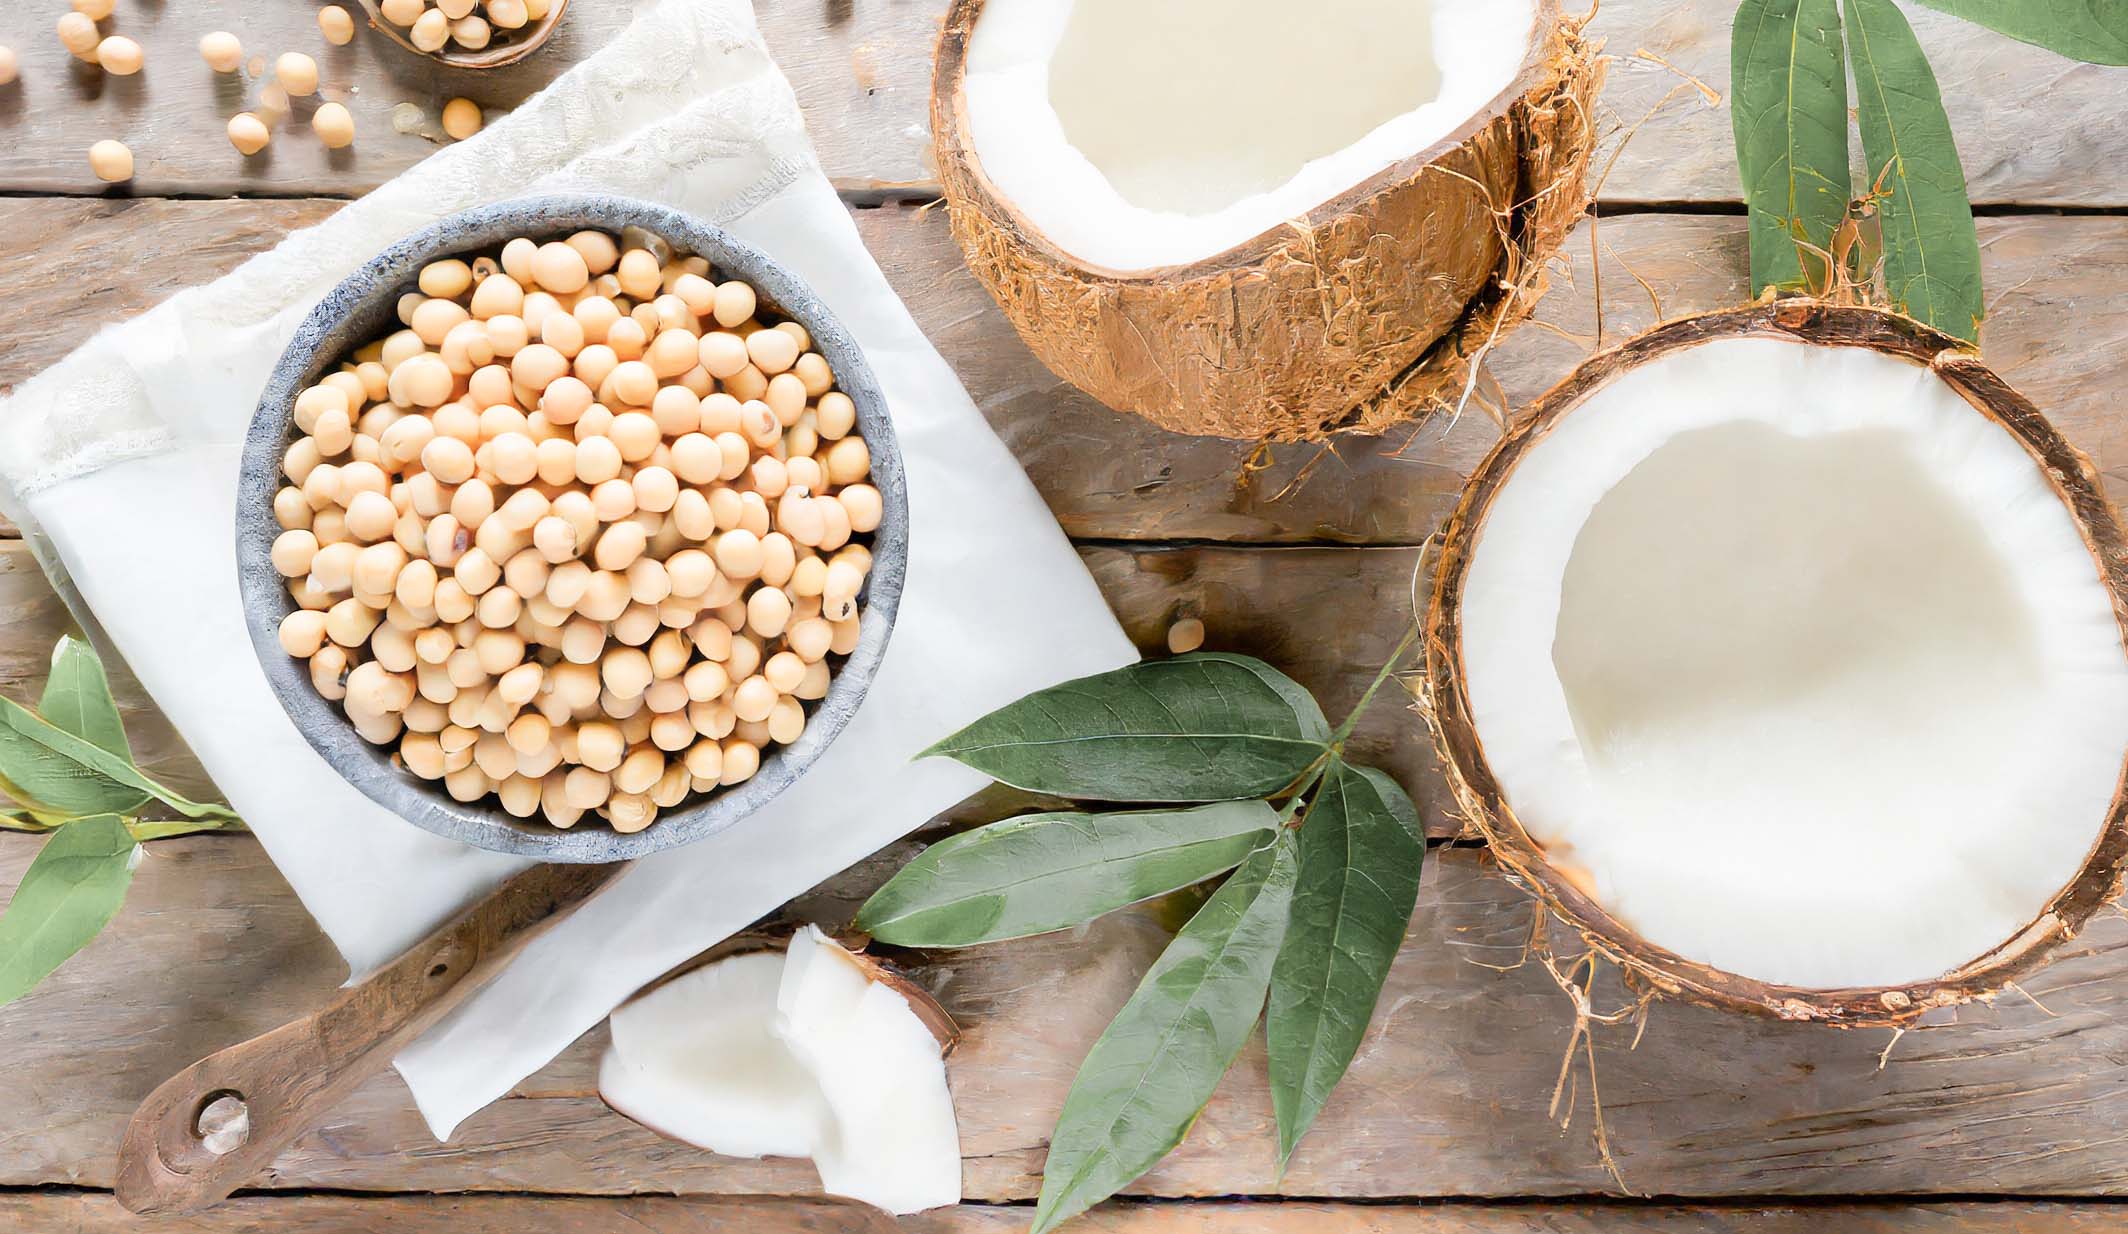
(2004, 1118)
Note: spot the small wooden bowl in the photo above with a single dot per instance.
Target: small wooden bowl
(506, 47)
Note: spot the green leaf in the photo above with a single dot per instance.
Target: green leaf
(1789, 108)
(48, 769)
(1148, 1077)
(1044, 872)
(1361, 847)
(1204, 727)
(1931, 250)
(145, 830)
(2095, 31)
(66, 896)
(61, 773)
(77, 698)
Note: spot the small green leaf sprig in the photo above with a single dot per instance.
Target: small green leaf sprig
(1789, 66)
(69, 772)
(1325, 858)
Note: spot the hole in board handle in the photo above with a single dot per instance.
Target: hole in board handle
(222, 1122)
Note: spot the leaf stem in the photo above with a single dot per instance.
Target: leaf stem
(1344, 731)
(1292, 815)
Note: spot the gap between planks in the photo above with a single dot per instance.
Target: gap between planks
(312, 1213)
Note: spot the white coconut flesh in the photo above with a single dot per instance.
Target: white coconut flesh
(1796, 658)
(698, 1060)
(891, 1138)
(1135, 136)
(793, 1054)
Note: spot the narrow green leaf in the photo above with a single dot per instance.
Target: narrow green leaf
(1147, 1078)
(1203, 727)
(142, 830)
(70, 891)
(168, 830)
(1789, 108)
(2095, 31)
(62, 773)
(77, 698)
(1044, 872)
(47, 769)
(1361, 847)
(1931, 250)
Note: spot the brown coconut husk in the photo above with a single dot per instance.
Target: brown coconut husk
(1560, 889)
(1371, 310)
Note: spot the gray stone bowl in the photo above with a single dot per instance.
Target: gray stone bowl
(360, 309)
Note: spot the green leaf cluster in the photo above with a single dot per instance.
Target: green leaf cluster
(1325, 859)
(1789, 66)
(69, 771)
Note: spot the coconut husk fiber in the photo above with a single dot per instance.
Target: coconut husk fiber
(1371, 310)
(1563, 891)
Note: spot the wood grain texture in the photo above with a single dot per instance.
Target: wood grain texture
(174, 111)
(1447, 1098)
(1317, 1218)
(325, 1214)
(289, 1080)
(2059, 334)
(2034, 128)
(31, 620)
(99, 1214)
(2058, 331)
(88, 264)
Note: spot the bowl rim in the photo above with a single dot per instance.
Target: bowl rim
(354, 312)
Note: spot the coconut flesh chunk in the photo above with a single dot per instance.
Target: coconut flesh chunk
(891, 1139)
(1137, 136)
(797, 1053)
(698, 1060)
(1796, 663)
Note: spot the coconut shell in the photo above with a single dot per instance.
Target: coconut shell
(1562, 889)
(1368, 311)
(935, 1017)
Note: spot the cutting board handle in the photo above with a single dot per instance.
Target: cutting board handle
(222, 1121)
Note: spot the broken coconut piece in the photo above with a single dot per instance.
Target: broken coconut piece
(698, 1060)
(891, 1139)
(808, 1052)
(1215, 214)
(1780, 650)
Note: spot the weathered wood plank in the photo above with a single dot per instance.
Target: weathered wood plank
(31, 619)
(2059, 332)
(173, 112)
(1313, 1218)
(441, 1214)
(88, 264)
(2034, 128)
(437, 1214)
(1448, 1097)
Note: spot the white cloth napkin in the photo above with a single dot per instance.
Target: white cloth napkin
(121, 462)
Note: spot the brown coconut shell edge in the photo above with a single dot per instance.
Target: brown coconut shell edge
(1369, 311)
(935, 1018)
(1447, 704)
(941, 1024)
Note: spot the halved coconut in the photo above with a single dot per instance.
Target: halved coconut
(810, 1051)
(1780, 651)
(1248, 219)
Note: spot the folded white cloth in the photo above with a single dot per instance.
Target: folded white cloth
(121, 461)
